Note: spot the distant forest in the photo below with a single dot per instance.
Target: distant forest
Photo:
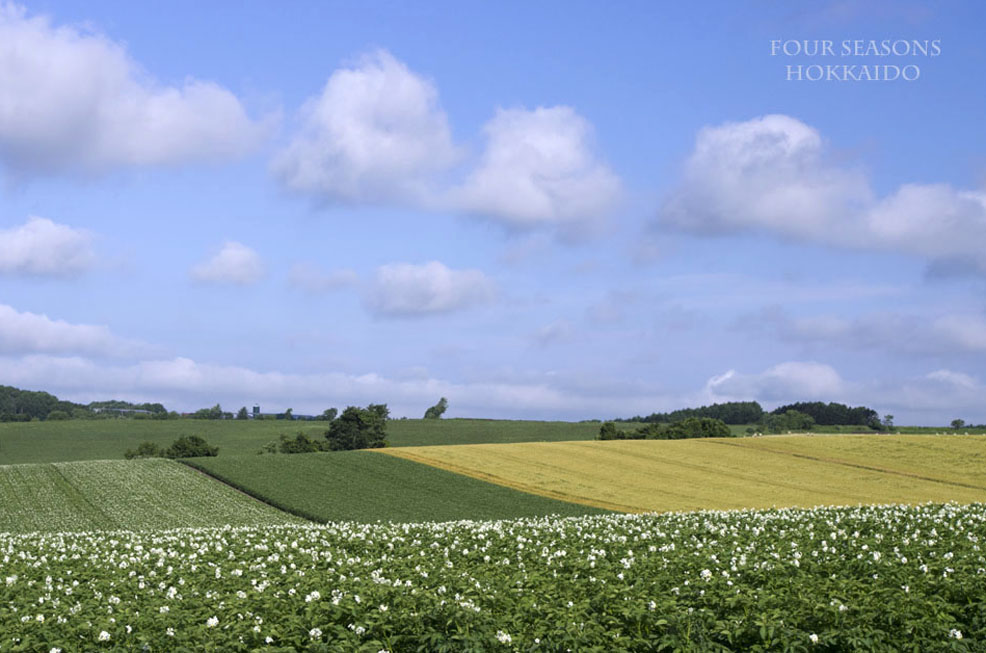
(18, 405)
(751, 412)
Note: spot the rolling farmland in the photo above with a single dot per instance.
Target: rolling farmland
(788, 580)
(645, 475)
(112, 495)
(365, 487)
(106, 439)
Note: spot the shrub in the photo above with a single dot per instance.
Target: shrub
(301, 443)
(58, 415)
(190, 446)
(608, 432)
(145, 449)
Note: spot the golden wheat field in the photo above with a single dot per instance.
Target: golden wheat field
(666, 475)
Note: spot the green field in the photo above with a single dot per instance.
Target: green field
(364, 486)
(106, 439)
(725, 473)
(125, 494)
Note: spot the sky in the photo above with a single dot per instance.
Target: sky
(550, 210)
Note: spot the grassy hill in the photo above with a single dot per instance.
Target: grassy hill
(106, 439)
(638, 475)
(363, 486)
(125, 494)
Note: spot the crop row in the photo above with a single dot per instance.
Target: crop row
(865, 578)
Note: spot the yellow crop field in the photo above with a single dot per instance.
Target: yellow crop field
(664, 475)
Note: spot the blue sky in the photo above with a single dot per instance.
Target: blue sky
(538, 210)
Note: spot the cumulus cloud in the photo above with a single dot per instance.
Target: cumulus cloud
(29, 333)
(310, 278)
(41, 247)
(770, 174)
(375, 134)
(74, 101)
(184, 384)
(403, 289)
(234, 263)
(538, 168)
(789, 381)
(959, 334)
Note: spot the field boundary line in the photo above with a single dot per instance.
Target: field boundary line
(246, 492)
(847, 463)
(496, 480)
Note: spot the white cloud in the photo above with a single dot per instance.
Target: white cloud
(538, 168)
(375, 134)
(953, 333)
(234, 263)
(27, 333)
(310, 278)
(74, 101)
(782, 383)
(41, 247)
(185, 384)
(770, 174)
(403, 289)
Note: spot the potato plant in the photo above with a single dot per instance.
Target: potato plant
(901, 578)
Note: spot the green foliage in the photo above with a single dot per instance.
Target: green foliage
(841, 579)
(190, 446)
(791, 420)
(380, 410)
(301, 443)
(367, 486)
(690, 427)
(328, 415)
(144, 450)
(359, 428)
(730, 412)
(58, 415)
(436, 411)
(216, 412)
(833, 413)
(608, 432)
(242, 413)
(120, 494)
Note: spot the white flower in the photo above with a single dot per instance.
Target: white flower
(315, 633)
(55, 649)
(814, 638)
(955, 634)
(103, 636)
(706, 574)
(268, 640)
(170, 632)
(503, 637)
(212, 622)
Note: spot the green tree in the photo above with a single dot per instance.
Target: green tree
(190, 446)
(57, 415)
(608, 432)
(956, 423)
(888, 422)
(242, 413)
(380, 410)
(358, 428)
(436, 411)
(289, 414)
(328, 415)
(216, 412)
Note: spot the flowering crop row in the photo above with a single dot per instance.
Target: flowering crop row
(864, 578)
(122, 494)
